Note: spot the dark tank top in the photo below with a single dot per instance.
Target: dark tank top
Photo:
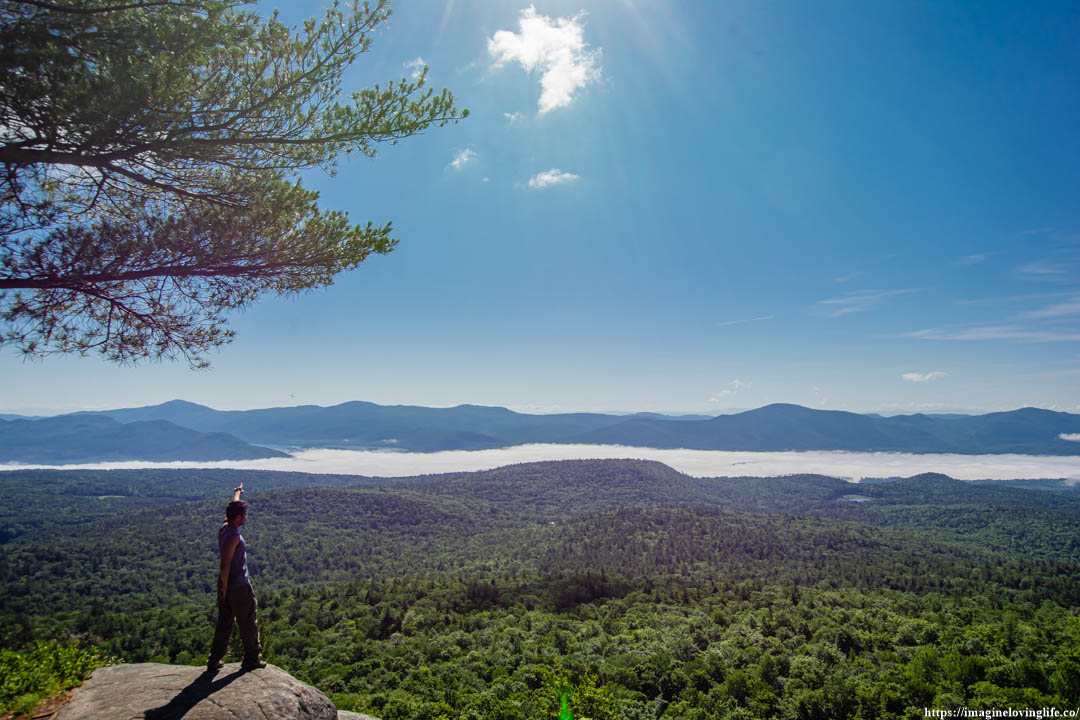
(238, 570)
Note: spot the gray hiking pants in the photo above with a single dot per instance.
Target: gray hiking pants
(239, 605)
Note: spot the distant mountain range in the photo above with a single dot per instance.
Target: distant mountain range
(180, 430)
(86, 438)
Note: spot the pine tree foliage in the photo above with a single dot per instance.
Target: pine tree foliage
(151, 152)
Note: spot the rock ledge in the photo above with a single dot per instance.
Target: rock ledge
(149, 691)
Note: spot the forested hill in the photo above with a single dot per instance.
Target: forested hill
(564, 488)
(648, 593)
(771, 428)
(550, 490)
(67, 533)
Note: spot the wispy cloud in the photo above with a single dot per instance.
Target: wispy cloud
(973, 259)
(996, 332)
(923, 377)
(859, 301)
(739, 322)
(554, 48)
(417, 66)
(554, 176)
(736, 386)
(1004, 299)
(513, 117)
(1060, 310)
(462, 158)
(850, 276)
(1044, 268)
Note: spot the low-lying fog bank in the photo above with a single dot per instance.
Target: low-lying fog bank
(700, 463)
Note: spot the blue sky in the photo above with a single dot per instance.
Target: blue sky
(686, 207)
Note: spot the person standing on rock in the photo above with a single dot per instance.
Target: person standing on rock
(236, 598)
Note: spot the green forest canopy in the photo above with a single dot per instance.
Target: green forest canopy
(648, 593)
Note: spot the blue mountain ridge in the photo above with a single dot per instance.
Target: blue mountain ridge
(86, 438)
(777, 427)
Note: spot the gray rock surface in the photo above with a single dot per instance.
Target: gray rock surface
(149, 691)
(346, 715)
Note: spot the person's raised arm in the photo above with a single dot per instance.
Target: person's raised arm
(237, 492)
(227, 552)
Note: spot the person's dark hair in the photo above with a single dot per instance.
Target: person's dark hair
(236, 508)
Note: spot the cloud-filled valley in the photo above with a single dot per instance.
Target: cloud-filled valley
(700, 463)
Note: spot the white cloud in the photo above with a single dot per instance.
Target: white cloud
(699, 463)
(736, 386)
(554, 176)
(859, 301)
(554, 48)
(1071, 437)
(462, 158)
(995, 332)
(923, 377)
(417, 66)
(513, 117)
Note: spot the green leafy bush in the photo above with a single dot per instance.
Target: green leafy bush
(27, 678)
